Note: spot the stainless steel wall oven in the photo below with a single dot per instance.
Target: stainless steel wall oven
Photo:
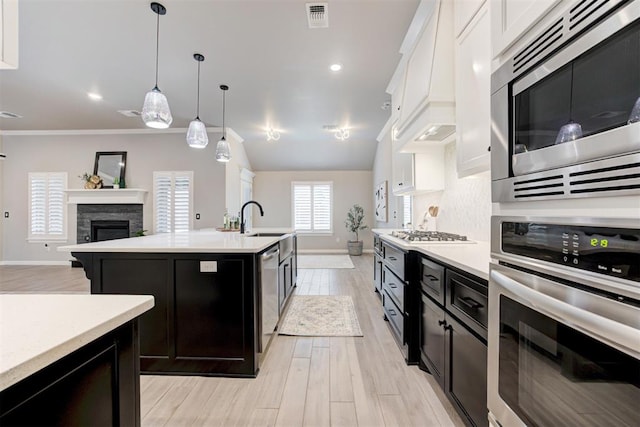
(564, 322)
(563, 118)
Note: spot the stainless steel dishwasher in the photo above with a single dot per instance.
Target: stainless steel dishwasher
(268, 296)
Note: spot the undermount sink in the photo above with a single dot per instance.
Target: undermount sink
(265, 234)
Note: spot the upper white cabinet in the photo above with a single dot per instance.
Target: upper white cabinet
(512, 18)
(415, 173)
(473, 94)
(423, 85)
(464, 11)
(8, 34)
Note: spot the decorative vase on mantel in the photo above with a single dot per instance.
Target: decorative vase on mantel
(92, 182)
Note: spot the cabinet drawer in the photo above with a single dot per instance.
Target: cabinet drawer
(432, 280)
(394, 258)
(394, 287)
(467, 299)
(377, 244)
(394, 316)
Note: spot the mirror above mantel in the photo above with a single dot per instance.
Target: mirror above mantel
(110, 165)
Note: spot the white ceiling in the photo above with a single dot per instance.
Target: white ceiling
(275, 66)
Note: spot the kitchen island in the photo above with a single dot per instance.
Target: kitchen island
(207, 290)
(70, 359)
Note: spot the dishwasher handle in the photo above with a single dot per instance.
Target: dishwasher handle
(270, 254)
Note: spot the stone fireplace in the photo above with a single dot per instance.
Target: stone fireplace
(96, 222)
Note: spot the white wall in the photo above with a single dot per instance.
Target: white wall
(2, 220)
(382, 172)
(75, 154)
(239, 160)
(273, 191)
(464, 205)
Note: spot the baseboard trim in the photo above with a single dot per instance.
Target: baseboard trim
(330, 251)
(35, 262)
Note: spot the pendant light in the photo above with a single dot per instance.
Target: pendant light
(223, 152)
(197, 133)
(572, 130)
(155, 112)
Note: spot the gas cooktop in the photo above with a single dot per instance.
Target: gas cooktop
(429, 237)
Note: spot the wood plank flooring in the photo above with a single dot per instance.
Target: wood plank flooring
(327, 381)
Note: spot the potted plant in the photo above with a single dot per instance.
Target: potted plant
(354, 223)
(116, 183)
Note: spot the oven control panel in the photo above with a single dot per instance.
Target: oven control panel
(605, 250)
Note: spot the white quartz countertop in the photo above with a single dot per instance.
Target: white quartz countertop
(473, 257)
(37, 330)
(208, 241)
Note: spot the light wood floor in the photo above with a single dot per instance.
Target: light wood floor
(338, 381)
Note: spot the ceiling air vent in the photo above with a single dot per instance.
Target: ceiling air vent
(130, 113)
(9, 115)
(317, 15)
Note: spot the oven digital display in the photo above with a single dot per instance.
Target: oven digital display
(605, 250)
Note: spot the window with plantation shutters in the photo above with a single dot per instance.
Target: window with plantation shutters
(407, 210)
(312, 206)
(173, 201)
(47, 206)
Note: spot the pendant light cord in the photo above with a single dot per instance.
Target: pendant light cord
(198, 97)
(224, 132)
(157, 45)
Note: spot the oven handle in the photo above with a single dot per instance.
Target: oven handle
(617, 335)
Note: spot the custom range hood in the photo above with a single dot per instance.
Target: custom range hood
(422, 87)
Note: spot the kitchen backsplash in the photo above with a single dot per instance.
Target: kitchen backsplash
(464, 204)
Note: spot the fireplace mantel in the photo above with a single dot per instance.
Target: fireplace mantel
(105, 196)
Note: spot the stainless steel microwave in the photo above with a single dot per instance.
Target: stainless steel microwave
(565, 109)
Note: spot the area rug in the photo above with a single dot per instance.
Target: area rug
(321, 316)
(324, 261)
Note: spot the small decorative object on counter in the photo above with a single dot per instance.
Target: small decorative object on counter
(225, 221)
(91, 181)
(116, 183)
(354, 223)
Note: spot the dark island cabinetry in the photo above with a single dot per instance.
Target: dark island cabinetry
(205, 318)
(96, 385)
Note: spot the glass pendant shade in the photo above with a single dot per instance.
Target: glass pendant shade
(197, 134)
(223, 151)
(155, 112)
(569, 132)
(635, 113)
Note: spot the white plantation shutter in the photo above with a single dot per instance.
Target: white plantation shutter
(47, 207)
(312, 206)
(407, 210)
(173, 200)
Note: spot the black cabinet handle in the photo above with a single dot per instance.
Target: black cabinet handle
(431, 277)
(442, 322)
(392, 258)
(470, 302)
(489, 148)
(392, 312)
(392, 285)
(448, 328)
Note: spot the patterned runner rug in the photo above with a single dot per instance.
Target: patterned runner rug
(324, 261)
(321, 316)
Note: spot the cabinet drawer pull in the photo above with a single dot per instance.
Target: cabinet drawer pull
(392, 258)
(392, 312)
(431, 277)
(448, 328)
(470, 302)
(442, 322)
(392, 285)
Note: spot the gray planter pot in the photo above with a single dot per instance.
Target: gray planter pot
(355, 248)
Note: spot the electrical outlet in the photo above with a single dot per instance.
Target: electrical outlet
(208, 266)
(197, 216)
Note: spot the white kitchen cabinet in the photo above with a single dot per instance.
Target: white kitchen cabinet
(8, 34)
(415, 173)
(511, 19)
(464, 11)
(397, 91)
(473, 95)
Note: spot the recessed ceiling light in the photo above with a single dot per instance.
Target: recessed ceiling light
(94, 96)
(335, 67)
